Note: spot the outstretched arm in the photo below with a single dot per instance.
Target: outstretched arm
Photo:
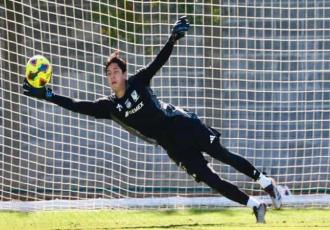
(97, 109)
(145, 74)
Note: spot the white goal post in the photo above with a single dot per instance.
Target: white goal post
(258, 71)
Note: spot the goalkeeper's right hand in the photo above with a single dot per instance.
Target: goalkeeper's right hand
(42, 93)
(180, 27)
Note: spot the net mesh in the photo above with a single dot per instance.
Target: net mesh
(255, 70)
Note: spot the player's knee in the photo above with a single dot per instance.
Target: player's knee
(195, 174)
(221, 153)
(206, 175)
(196, 177)
(226, 155)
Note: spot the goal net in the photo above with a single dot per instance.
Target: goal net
(255, 70)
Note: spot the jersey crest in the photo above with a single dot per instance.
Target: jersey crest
(128, 104)
(135, 96)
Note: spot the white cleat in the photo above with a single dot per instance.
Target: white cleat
(260, 213)
(274, 194)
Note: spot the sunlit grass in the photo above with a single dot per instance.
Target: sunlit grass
(239, 218)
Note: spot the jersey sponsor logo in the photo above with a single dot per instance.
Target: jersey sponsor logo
(212, 137)
(119, 107)
(128, 104)
(134, 110)
(135, 96)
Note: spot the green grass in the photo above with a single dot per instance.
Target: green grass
(191, 219)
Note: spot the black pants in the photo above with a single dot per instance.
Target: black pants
(186, 141)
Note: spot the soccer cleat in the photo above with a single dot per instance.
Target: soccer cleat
(274, 194)
(260, 213)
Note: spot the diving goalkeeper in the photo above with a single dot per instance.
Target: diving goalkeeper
(181, 133)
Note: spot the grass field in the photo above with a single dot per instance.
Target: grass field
(191, 219)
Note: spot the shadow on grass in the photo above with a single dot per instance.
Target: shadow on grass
(227, 212)
(16, 213)
(173, 226)
(199, 212)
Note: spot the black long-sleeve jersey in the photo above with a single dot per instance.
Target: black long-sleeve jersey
(139, 110)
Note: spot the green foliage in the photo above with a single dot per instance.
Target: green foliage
(216, 14)
(123, 20)
(117, 19)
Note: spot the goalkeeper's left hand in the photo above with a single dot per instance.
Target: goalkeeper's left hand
(41, 93)
(180, 27)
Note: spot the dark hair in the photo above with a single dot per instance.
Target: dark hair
(114, 58)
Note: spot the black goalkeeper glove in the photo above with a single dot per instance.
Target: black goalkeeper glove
(42, 93)
(180, 27)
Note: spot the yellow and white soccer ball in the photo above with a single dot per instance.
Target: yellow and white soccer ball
(38, 71)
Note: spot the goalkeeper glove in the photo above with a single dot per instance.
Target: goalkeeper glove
(42, 93)
(180, 27)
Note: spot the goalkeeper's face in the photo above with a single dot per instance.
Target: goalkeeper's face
(116, 79)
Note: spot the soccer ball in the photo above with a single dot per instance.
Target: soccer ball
(38, 71)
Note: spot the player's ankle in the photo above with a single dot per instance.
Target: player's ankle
(252, 202)
(264, 181)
